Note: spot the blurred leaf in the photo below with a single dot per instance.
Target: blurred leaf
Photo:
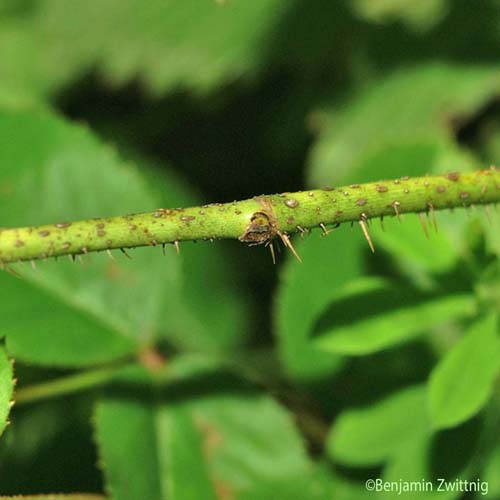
(369, 436)
(106, 308)
(191, 442)
(372, 314)
(420, 15)
(413, 464)
(413, 105)
(76, 496)
(491, 477)
(200, 45)
(463, 381)
(305, 290)
(48, 447)
(6, 388)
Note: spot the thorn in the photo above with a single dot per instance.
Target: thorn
(423, 224)
(177, 247)
(271, 248)
(286, 240)
(395, 206)
(324, 229)
(382, 223)
(110, 255)
(33, 265)
(124, 252)
(362, 223)
(71, 257)
(79, 257)
(433, 216)
(163, 249)
(301, 230)
(6, 268)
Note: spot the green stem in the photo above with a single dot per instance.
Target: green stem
(254, 221)
(66, 385)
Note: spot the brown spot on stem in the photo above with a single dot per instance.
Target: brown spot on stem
(101, 233)
(382, 189)
(187, 218)
(291, 203)
(440, 189)
(463, 195)
(361, 202)
(260, 229)
(44, 233)
(63, 225)
(100, 226)
(453, 176)
(19, 243)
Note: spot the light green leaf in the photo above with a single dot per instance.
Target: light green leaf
(305, 290)
(105, 308)
(420, 16)
(463, 381)
(413, 105)
(196, 441)
(6, 388)
(164, 44)
(372, 314)
(369, 436)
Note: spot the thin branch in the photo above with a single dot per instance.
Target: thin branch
(255, 221)
(69, 384)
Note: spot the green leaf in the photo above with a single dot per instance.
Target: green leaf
(463, 381)
(412, 465)
(413, 105)
(490, 475)
(6, 388)
(197, 440)
(305, 290)
(369, 436)
(421, 16)
(371, 314)
(163, 44)
(76, 496)
(105, 308)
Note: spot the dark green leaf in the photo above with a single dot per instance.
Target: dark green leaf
(412, 465)
(76, 496)
(490, 475)
(463, 381)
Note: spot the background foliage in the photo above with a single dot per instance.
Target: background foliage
(230, 378)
